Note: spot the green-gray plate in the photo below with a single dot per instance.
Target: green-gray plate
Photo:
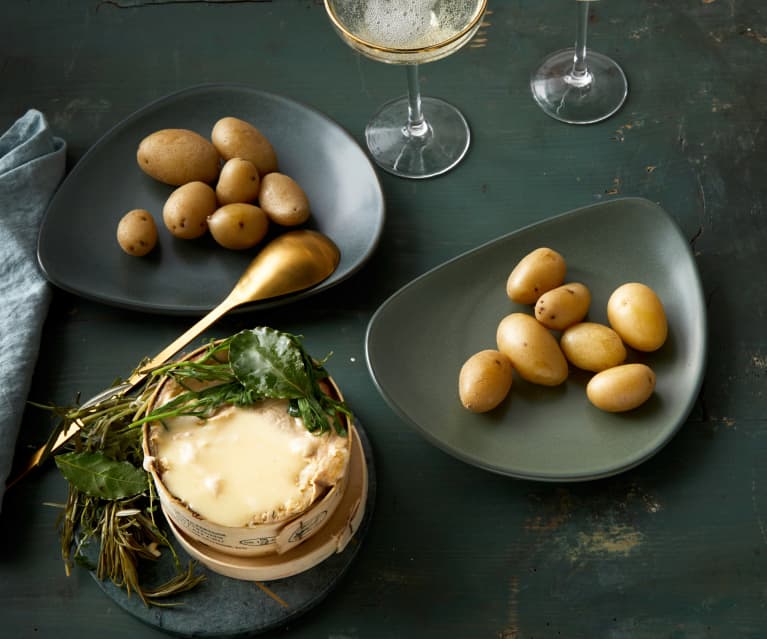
(420, 337)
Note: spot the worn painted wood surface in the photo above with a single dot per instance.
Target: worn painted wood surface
(674, 548)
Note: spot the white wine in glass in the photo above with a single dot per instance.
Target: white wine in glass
(413, 136)
(577, 85)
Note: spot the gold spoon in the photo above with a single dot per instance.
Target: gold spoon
(291, 262)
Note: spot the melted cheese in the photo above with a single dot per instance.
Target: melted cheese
(247, 465)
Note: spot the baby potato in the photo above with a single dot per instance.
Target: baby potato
(636, 313)
(235, 138)
(238, 226)
(621, 388)
(283, 200)
(484, 380)
(592, 347)
(532, 349)
(238, 181)
(178, 156)
(186, 210)
(137, 232)
(563, 306)
(539, 271)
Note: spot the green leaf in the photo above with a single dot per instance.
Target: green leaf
(97, 475)
(270, 363)
(274, 364)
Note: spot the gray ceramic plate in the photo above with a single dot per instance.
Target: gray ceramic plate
(77, 248)
(419, 338)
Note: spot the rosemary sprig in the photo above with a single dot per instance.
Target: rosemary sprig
(123, 528)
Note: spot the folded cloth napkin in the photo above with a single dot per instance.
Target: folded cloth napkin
(32, 163)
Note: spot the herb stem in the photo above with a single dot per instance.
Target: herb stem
(110, 500)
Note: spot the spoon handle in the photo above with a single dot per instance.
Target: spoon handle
(183, 340)
(134, 380)
(291, 262)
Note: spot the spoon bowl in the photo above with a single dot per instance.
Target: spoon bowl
(291, 262)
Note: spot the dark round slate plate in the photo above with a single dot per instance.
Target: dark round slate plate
(227, 608)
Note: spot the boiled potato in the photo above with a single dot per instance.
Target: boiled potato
(186, 210)
(178, 156)
(484, 380)
(532, 349)
(592, 347)
(621, 388)
(283, 200)
(636, 313)
(563, 306)
(238, 226)
(537, 272)
(238, 181)
(235, 138)
(137, 232)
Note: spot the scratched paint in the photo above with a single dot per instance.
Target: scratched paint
(713, 422)
(512, 630)
(620, 133)
(563, 506)
(555, 514)
(615, 189)
(610, 540)
(717, 105)
(612, 532)
(480, 39)
(750, 33)
(79, 108)
(755, 506)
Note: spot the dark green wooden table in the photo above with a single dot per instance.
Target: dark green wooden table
(674, 548)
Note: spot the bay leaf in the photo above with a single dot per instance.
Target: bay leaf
(95, 474)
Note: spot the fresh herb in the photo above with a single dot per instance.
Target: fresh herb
(263, 363)
(274, 364)
(112, 502)
(97, 475)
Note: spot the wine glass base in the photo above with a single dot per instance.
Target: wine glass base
(444, 143)
(563, 100)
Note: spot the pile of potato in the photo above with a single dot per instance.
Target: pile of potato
(527, 345)
(228, 186)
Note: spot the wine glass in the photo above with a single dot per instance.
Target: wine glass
(577, 85)
(413, 136)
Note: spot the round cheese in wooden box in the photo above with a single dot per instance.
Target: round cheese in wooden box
(247, 480)
(333, 537)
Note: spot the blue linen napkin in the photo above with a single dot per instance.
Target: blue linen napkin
(32, 163)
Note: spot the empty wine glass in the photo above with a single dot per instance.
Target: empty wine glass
(413, 136)
(577, 85)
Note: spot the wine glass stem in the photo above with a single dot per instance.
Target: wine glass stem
(417, 126)
(579, 75)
